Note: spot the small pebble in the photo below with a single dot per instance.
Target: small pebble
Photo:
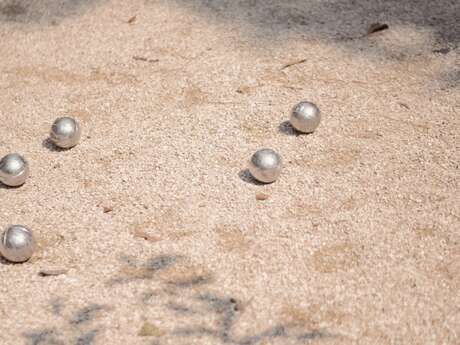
(262, 196)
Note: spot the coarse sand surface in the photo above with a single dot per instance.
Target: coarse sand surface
(152, 232)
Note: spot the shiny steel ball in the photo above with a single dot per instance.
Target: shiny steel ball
(17, 243)
(14, 170)
(65, 132)
(305, 117)
(265, 165)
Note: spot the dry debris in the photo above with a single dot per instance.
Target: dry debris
(150, 330)
(52, 272)
(376, 27)
(293, 63)
(262, 196)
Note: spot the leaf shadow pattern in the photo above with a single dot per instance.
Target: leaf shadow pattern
(79, 329)
(131, 271)
(226, 311)
(187, 296)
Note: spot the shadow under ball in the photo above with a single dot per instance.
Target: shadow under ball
(65, 132)
(265, 165)
(17, 243)
(14, 170)
(305, 117)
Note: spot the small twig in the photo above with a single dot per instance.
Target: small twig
(107, 209)
(404, 105)
(293, 63)
(376, 27)
(141, 58)
(52, 273)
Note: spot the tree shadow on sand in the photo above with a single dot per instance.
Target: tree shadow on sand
(339, 20)
(42, 11)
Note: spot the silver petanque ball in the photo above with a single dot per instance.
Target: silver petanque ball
(14, 170)
(65, 132)
(265, 165)
(305, 117)
(17, 243)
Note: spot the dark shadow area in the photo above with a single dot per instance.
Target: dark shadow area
(49, 145)
(337, 20)
(4, 261)
(192, 281)
(42, 11)
(450, 80)
(79, 329)
(4, 186)
(333, 20)
(246, 176)
(227, 329)
(287, 129)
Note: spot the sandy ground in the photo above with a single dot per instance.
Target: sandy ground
(154, 219)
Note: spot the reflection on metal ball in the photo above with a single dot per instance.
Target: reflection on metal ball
(65, 132)
(265, 165)
(305, 117)
(14, 170)
(17, 243)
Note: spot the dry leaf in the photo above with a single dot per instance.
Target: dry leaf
(149, 330)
